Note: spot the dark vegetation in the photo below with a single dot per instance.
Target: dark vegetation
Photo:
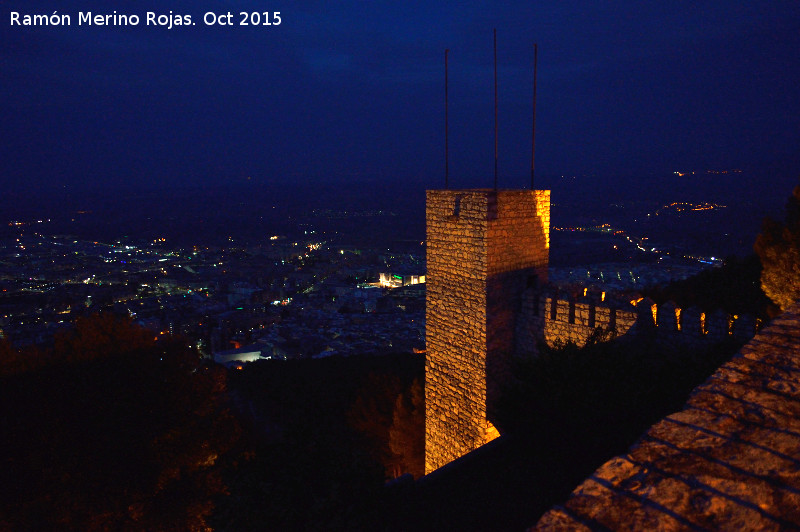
(326, 442)
(778, 247)
(569, 411)
(735, 288)
(612, 389)
(329, 432)
(112, 429)
(115, 429)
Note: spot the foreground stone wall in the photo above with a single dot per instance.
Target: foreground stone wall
(483, 248)
(729, 461)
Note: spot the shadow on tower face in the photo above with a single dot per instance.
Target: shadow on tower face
(518, 255)
(485, 247)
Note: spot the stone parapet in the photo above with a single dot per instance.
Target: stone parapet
(559, 318)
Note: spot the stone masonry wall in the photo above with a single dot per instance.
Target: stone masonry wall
(519, 242)
(483, 248)
(553, 317)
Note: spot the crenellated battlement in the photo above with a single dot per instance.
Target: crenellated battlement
(557, 316)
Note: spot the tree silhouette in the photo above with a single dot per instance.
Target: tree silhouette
(778, 247)
(371, 415)
(407, 433)
(113, 429)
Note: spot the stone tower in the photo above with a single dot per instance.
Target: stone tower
(484, 247)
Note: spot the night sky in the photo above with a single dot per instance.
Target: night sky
(353, 92)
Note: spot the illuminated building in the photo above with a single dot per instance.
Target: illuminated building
(396, 280)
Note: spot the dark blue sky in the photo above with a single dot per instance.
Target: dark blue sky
(353, 91)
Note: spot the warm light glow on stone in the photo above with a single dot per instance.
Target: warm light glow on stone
(484, 248)
(491, 432)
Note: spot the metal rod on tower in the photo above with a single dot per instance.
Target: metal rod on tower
(533, 138)
(495, 109)
(446, 125)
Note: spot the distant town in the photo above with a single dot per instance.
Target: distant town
(303, 294)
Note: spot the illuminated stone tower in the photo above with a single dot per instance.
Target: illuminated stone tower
(484, 247)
